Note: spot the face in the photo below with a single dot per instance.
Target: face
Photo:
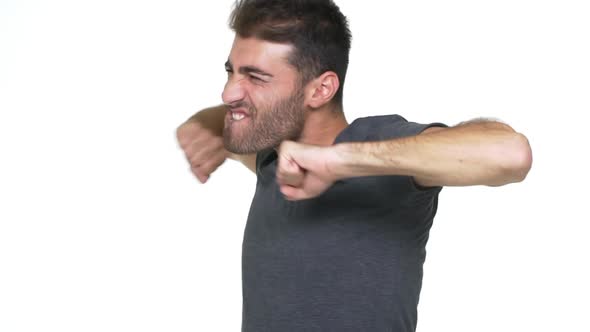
(264, 97)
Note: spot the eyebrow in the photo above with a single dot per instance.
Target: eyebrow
(248, 70)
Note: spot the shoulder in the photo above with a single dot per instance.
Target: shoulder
(377, 121)
(383, 127)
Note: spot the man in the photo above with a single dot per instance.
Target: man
(336, 234)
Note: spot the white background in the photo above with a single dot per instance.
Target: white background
(103, 228)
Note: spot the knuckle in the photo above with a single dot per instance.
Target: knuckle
(200, 170)
(183, 136)
(180, 132)
(183, 141)
(196, 157)
(189, 150)
(195, 161)
(188, 132)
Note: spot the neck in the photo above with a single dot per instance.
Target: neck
(322, 126)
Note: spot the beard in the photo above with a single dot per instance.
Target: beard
(266, 128)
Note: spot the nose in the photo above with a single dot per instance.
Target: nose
(233, 91)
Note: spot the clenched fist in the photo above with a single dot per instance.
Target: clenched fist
(306, 171)
(202, 144)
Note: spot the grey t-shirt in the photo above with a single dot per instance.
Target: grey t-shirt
(348, 260)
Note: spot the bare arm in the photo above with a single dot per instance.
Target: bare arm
(201, 138)
(473, 153)
(210, 118)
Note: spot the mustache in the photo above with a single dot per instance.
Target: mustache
(239, 104)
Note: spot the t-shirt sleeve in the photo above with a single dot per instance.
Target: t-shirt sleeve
(396, 126)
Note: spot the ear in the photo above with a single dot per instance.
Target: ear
(321, 90)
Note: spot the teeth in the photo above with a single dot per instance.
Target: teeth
(237, 116)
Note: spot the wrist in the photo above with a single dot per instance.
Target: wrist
(347, 163)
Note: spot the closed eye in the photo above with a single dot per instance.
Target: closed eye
(255, 78)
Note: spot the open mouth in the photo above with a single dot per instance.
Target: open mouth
(237, 116)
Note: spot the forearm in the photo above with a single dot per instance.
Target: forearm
(486, 153)
(211, 118)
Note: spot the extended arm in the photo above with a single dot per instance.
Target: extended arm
(473, 153)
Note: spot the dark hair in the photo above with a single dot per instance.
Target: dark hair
(316, 28)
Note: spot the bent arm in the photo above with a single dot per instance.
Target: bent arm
(213, 119)
(473, 153)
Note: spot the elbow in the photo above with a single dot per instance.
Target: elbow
(524, 157)
(518, 159)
